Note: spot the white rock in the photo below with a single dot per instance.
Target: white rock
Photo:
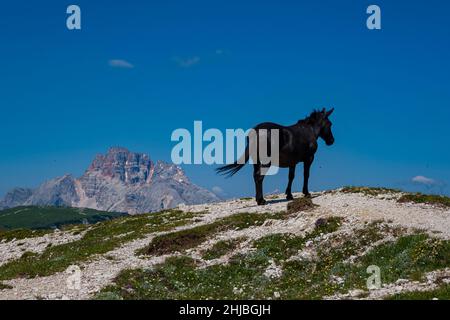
(356, 292)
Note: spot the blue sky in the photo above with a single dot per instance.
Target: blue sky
(231, 64)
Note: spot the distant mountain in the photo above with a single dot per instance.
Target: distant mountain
(33, 217)
(119, 181)
(15, 197)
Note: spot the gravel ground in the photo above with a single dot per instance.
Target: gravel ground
(14, 249)
(356, 209)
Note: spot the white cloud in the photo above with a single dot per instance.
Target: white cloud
(119, 63)
(424, 180)
(187, 62)
(221, 52)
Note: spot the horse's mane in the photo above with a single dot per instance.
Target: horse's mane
(313, 118)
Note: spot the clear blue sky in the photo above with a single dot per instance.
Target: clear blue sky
(231, 64)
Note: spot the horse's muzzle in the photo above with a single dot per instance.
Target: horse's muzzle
(330, 142)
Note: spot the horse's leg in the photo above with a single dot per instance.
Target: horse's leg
(258, 177)
(306, 169)
(291, 178)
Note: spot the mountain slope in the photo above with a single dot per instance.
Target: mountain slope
(119, 181)
(33, 217)
(237, 250)
(15, 197)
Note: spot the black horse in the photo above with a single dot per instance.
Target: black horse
(297, 143)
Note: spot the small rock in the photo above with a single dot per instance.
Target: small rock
(273, 271)
(401, 281)
(337, 279)
(356, 293)
(237, 290)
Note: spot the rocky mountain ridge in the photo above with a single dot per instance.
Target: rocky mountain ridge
(120, 181)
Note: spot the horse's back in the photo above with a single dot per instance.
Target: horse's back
(269, 125)
(296, 142)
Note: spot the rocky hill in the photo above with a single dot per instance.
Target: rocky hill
(120, 181)
(327, 248)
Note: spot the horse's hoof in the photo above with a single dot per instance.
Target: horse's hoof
(261, 202)
(289, 197)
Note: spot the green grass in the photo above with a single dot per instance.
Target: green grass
(190, 238)
(99, 239)
(410, 257)
(326, 225)
(441, 293)
(20, 234)
(281, 246)
(33, 217)
(178, 278)
(221, 248)
(410, 197)
(242, 278)
(426, 198)
(370, 191)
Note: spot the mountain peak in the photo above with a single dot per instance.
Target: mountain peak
(121, 164)
(120, 181)
(118, 149)
(163, 170)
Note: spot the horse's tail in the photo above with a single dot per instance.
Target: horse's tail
(231, 169)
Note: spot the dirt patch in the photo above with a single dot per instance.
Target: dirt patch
(300, 204)
(181, 240)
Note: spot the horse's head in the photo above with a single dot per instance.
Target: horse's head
(324, 124)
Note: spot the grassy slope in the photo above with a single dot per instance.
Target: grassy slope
(179, 277)
(441, 293)
(32, 217)
(190, 238)
(99, 239)
(432, 199)
(407, 256)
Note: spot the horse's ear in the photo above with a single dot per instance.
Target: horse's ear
(330, 112)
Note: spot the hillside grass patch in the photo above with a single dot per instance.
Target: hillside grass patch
(20, 234)
(369, 191)
(98, 239)
(221, 248)
(190, 238)
(441, 293)
(409, 257)
(45, 217)
(243, 277)
(438, 200)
